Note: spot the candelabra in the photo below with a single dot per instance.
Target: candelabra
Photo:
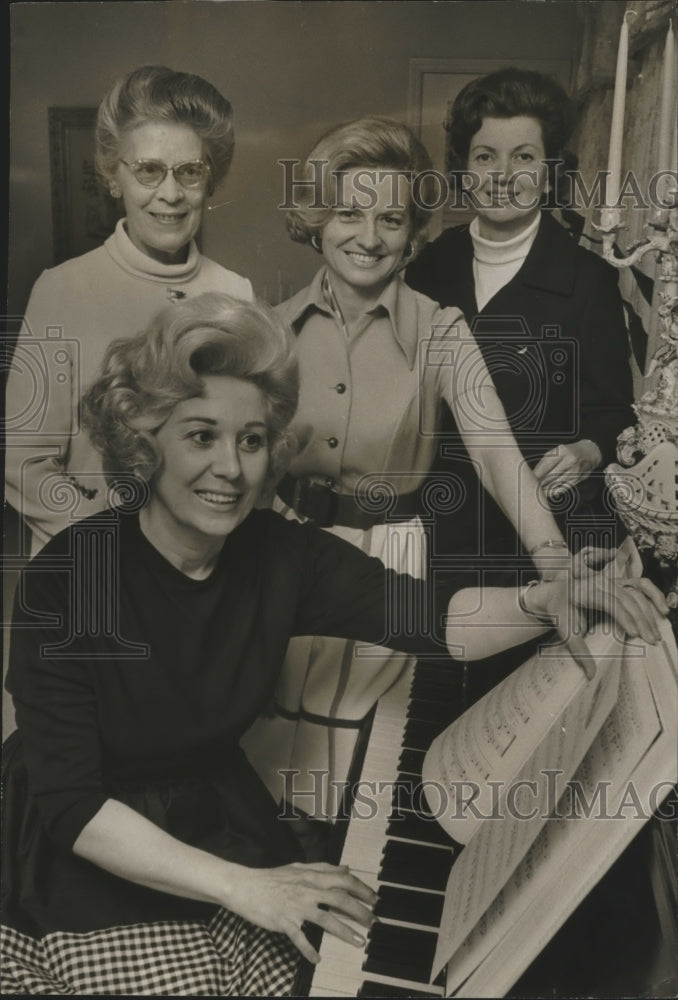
(644, 486)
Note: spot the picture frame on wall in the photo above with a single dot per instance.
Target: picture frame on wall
(83, 212)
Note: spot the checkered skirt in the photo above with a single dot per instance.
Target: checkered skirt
(225, 956)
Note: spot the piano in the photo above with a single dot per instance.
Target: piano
(620, 941)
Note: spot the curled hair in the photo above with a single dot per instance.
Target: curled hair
(507, 93)
(143, 378)
(159, 94)
(366, 142)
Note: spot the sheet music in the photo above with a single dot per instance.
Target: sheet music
(554, 715)
(511, 734)
(634, 748)
(491, 744)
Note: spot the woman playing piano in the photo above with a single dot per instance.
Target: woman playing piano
(142, 855)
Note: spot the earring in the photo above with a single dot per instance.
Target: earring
(115, 191)
(315, 243)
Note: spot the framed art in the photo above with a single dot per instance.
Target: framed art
(83, 212)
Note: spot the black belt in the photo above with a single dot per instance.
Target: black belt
(324, 505)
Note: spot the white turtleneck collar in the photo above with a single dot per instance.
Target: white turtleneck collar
(129, 257)
(496, 263)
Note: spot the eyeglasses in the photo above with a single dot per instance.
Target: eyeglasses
(151, 173)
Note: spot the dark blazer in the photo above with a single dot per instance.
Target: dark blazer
(555, 341)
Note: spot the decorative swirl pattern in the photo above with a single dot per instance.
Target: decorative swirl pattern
(443, 495)
(129, 493)
(375, 495)
(626, 490)
(58, 493)
(564, 500)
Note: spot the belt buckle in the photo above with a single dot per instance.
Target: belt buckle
(318, 503)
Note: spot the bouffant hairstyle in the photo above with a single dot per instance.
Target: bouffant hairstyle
(505, 94)
(366, 142)
(159, 94)
(142, 378)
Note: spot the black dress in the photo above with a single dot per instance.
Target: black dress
(134, 682)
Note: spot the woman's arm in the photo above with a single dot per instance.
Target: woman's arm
(280, 899)
(484, 622)
(501, 467)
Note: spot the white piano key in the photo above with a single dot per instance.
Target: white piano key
(340, 971)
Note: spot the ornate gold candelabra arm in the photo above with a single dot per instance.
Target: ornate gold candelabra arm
(662, 230)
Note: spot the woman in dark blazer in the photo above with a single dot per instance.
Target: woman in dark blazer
(546, 313)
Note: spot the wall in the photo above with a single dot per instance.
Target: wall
(290, 70)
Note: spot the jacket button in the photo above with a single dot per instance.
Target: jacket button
(340, 387)
(333, 442)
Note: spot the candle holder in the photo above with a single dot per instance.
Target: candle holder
(644, 485)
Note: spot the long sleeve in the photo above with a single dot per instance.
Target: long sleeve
(41, 409)
(55, 709)
(352, 596)
(606, 382)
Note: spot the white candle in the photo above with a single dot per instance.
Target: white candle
(617, 127)
(667, 109)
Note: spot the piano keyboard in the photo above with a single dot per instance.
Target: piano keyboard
(393, 847)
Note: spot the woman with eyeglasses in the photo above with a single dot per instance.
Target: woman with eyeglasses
(164, 140)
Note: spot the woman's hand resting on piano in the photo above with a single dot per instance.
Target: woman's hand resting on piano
(635, 605)
(485, 622)
(283, 899)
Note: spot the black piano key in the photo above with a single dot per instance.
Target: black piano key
(371, 989)
(444, 687)
(431, 668)
(416, 865)
(413, 826)
(409, 905)
(430, 711)
(400, 952)
(410, 794)
(420, 735)
(411, 761)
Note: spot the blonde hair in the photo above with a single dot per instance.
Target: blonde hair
(365, 142)
(144, 377)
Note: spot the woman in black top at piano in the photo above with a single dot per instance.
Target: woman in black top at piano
(141, 852)
(546, 313)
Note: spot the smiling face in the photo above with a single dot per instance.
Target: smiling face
(507, 155)
(214, 464)
(161, 221)
(364, 242)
